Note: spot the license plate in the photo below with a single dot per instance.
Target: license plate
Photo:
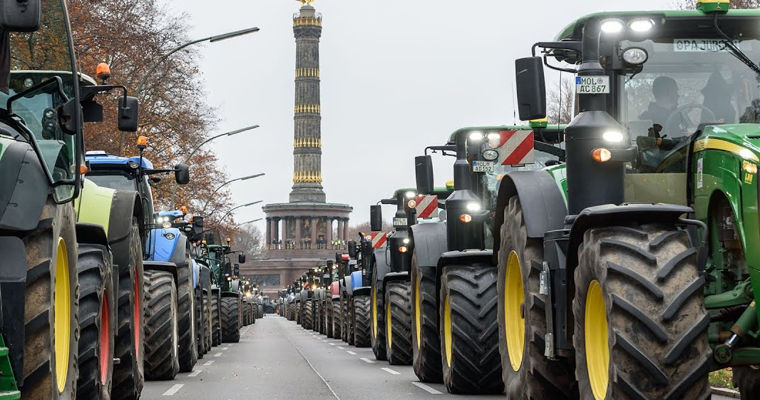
(592, 84)
(399, 221)
(482, 166)
(700, 45)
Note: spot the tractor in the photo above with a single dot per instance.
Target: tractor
(391, 290)
(633, 270)
(306, 299)
(167, 276)
(225, 287)
(334, 319)
(47, 246)
(453, 272)
(354, 271)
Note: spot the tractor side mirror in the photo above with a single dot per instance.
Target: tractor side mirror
(182, 174)
(20, 16)
(531, 88)
(352, 249)
(198, 221)
(128, 114)
(423, 172)
(241, 258)
(376, 218)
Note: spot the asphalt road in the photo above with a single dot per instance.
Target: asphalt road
(277, 359)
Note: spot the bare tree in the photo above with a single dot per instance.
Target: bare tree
(560, 101)
(249, 239)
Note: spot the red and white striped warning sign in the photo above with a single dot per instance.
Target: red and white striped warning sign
(378, 239)
(516, 147)
(427, 204)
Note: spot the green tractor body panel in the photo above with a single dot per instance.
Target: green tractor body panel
(559, 175)
(94, 204)
(8, 388)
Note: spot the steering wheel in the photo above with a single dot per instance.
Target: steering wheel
(680, 113)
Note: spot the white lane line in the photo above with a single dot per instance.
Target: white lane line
(391, 371)
(208, 362)
(367, 360)
(225, 348)
(341, 348)
(425, 388)
(218, 354)
(350, 352)
(174, 389)
(332, 344)
(195, 373)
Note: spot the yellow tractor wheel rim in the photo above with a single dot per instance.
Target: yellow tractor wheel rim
(514, 320)
(374, 312)
(62, 315)
(447, 329)
(597, 340)
(417, 316)
(388, 328)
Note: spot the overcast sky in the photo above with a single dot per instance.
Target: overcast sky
(397, 75)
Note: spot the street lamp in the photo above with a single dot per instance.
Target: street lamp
(225, 184)
(210, 39)
(235, 208)
(195, 150)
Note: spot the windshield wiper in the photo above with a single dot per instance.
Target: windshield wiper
(734, 49)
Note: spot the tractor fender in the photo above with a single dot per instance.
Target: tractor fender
(395, 277)
(610, 214)
(125, 205)
(362, 291)
(429, 243)
(196, 274)
(25, 186)
(466, 257)
(334, 289)
(14, 261)
(230, 294)
(161, 266)
(381, 267)
(348, 285)
(91, 233)
(542, 203)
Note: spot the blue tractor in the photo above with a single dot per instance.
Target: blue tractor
(169, 343)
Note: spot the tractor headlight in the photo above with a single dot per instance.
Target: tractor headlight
(641, 25)
(406, 241)
(465, 218)
(411, 204)
(613, 136)
(410, 194)
(635, 56)
(494, 140)
(403, 249)
(490, 155)
(473, 206)
(476, 136)
(132, 164)
(612, 26)
(167, 225)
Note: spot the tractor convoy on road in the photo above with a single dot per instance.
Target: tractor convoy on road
(613, 257)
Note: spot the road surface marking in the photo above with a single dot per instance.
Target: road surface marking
(218, 354)
(174, 389)
(425, 388)
(341, 348)
(332, 344)
(390, 371)
(208, 362)
(225, 348)
(350, 352)
(195, 373)
(367, 360)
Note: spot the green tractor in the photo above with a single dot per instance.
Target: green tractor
(453, 274)
(226, 302)
(47, 246)
(611, 285)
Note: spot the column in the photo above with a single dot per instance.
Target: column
(314, 222)
(269, 234)
(276, 226)
(345, 229)
(329, 231)
(298, 232)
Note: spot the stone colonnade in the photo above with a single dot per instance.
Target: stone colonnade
(300, 232)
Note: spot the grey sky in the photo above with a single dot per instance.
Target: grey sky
(397, 75)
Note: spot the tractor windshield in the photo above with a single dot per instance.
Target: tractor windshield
(30, 92)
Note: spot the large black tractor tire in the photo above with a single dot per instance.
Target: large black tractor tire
(337, 321)
(96, 322)
(351, 321)
(317, 320)
(747, 380)
(469, 331)
(260, 309)
(299, 314)
(216, 321)
(161, 326)
(200, 332)
(526, 373)
(345, 319)
(188, 351)
(328, 318)
(307, 321)
(362, 323)
(426, 340)
(51, 260)
(398, 322)
(639, 315)
(230, 320)
(207, 321)
(128, 374)
(378, 323)
(292, 312)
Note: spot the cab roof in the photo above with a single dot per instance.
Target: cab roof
(574, 30)
(96, 158)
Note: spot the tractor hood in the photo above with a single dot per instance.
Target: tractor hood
(741, 139)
